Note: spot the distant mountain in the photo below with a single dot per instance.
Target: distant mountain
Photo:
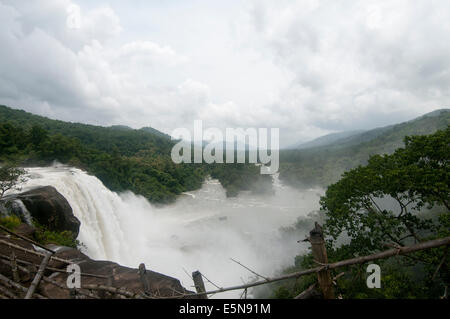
(348, 138)
(322, 165)
(435, 113)
(154, 131)
(121, 127)
(325, 140)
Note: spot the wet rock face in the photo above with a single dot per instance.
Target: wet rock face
(50, 208)
(93, 273)
(117, 276)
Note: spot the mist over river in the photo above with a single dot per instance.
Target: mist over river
(202, 230)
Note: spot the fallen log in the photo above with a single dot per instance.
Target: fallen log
(14, 267)
(26, 239)
(4, 242)
(38, 277)
(312, 290)
(8, 293)
(53, 282)
(27, 263)
(18, 286)
(114, 290)
(358, 260)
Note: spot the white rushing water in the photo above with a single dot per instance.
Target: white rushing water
(201, 231)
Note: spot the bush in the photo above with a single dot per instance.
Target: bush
(10, 222)
(64, 238)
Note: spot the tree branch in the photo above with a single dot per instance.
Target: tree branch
(254, 272)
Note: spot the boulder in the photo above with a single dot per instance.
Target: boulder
(95, 272)
(50, 209)
(159, 285)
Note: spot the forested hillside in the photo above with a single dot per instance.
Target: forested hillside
(325, 140)
(322, 166)
(359, 219)
(121, 157)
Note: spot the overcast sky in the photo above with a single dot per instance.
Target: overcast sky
(307, 67)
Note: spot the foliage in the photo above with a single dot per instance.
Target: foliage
(64, 238)
(10, 177)
(10, 222)
(42, 235)
(324, 165)
(122, 158)
(415, 176)
(395, 199)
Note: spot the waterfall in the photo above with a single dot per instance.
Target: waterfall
(201, 231)
(18, 206)
(97, 208)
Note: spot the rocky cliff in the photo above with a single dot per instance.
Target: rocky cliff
(46, 206)
(53, 211)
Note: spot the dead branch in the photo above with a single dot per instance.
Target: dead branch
(27, 263)
(53, 282)
(18, 286)
(38, 277)
(252, 271)
(337, 277)
(26, 239)
(8, 293)
(242, 294)
(185, 271)
(358, 260)
(312, 291)
(4, 242)
(114, 290)
(14, 267)
(210, 282)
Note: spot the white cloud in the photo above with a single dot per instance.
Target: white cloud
(142, 52)
(354, 60)
(307, 67)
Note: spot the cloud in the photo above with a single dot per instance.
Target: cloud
(142, 52)
(360, 63)
(73, 74)
(308, 67)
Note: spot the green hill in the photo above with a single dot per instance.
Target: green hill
(325, 140)
(323, 165)
(121, 157)
(124, 140)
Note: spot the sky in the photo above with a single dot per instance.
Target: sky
(306, 67)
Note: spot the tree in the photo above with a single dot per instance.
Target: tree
(383, 203)
(37, 135)
(10, 177)
(380, 202)
(392, 201)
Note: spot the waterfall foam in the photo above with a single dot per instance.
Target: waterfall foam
(201, 231)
